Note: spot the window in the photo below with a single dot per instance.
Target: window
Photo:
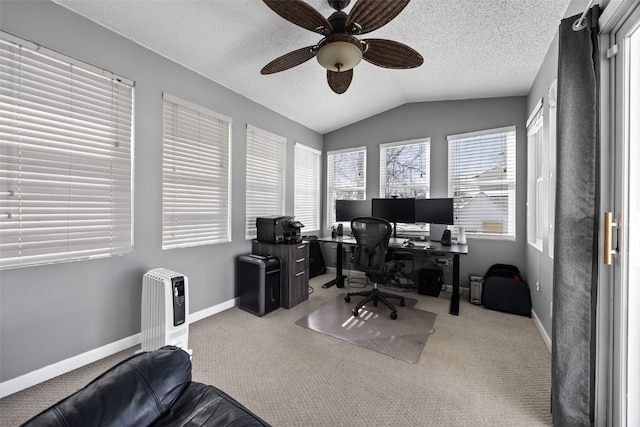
(346, 178)
(404, 172)
(65, 158)
(307, 187)
(482, 182)
(536, 221)
(266, 154)
(553, 114)
(404, 169)
(195, 175)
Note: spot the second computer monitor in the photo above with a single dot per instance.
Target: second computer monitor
(346, 210)
(435, 211)
(394, 210)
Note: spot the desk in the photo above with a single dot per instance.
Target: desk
(396, 243)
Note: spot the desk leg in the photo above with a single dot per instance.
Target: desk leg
(339, 280)
(454, 308)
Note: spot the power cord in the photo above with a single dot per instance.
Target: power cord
(350, 282)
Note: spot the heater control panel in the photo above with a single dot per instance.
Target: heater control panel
(177, 286)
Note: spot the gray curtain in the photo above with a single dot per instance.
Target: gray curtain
(576, 224)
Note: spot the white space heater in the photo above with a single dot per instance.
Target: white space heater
(165, 310)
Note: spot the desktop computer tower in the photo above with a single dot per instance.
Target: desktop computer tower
(316, 260)
(259, 283)
(430, 282)
(475, 289)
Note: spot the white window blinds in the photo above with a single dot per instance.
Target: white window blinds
(65, 158)
(482, 178)
(195, 175)
(404, 169)
(346, 178)
(266, 153)
(307, 187)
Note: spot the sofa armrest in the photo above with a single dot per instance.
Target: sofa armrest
(135, 392)
(208, 406)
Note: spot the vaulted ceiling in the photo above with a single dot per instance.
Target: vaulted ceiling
(471, 49)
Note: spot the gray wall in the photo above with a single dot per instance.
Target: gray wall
(539, 263)
(436, 120)
(51, 313)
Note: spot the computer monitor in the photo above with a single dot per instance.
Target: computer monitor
(434, 211)
(394, 210)
(346, 210)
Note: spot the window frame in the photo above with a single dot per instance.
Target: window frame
(536, 180)
(70, 197)
(407, 229)
(307, 183)
(359, 187)
(264, 174)
(196, 202)
(508, 173)
(553, 126)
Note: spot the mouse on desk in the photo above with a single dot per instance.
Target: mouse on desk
(408, 244)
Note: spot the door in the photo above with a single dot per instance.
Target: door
(625, 238)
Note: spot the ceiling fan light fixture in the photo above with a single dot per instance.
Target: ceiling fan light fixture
(339, 55)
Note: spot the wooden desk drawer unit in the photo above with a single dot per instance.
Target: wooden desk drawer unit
(294, 269)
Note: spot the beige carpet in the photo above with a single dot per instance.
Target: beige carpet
(403, 338)
(482, 368)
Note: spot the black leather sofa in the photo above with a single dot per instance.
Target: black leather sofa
(149, 389)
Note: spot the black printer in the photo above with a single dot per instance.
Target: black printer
(278, 229)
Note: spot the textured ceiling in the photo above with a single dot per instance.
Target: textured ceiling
(471, 48)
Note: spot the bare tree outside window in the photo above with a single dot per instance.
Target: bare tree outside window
(346, 178)
(406, 172)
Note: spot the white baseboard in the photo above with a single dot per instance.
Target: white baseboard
(218, 308)
(545, 337)
(462, 290)
(51, 371)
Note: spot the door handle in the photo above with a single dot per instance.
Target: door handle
(609, 223)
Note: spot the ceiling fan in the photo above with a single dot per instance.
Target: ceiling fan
(340, 50)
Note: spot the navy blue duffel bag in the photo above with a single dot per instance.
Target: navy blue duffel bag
(505, 290)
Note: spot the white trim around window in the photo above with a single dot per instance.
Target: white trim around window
(551, 184)
(536, 200)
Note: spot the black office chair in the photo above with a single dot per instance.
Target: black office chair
(372, 237)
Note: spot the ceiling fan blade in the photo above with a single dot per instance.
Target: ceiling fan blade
(289, 60)
(373, 14)
(300, 13)
(390, 54)
(339, 81)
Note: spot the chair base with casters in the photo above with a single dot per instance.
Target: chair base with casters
(375, 296)
(370, 254)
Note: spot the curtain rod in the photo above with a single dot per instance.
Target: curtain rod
(581, 22)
